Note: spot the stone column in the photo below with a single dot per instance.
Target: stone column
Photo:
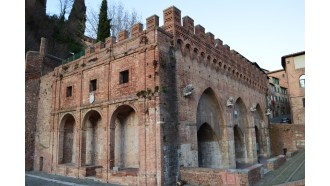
(229, 137)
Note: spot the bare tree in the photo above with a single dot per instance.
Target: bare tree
(65, 5)
(121, 19)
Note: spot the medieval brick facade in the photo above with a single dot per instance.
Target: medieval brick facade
(142, 109)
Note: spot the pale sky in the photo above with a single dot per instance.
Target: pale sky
(262, 31)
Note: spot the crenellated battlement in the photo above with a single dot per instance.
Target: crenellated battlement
(193, 42)
(203, 47)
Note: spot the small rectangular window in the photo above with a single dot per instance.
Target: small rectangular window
(123, 77)
(303, 99)
(69, 91)
(92, 85)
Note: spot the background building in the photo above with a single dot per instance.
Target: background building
(294, 66)
(278, 93)
(291, 137)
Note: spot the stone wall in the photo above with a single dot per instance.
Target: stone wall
(289, 136)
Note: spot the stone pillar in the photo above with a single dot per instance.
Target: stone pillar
(172, 18)
(230, 138)
(152, 22)
(43, 46)
(188, 144)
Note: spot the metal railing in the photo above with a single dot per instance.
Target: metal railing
(74, 57)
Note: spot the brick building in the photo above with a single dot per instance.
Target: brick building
(294, 66)
(278, 93)
(166, 103)
(38, 63)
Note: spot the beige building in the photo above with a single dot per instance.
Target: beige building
(294, 66)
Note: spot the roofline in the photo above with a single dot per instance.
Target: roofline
(275, 71)
(290, 55)
(256, 64)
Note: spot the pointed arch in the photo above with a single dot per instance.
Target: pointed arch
(209, 110)
(259, 124)
(209, 123)
(242, 135)
(240, 147)
(240, 114)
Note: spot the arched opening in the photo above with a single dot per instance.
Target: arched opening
(258, 144)
(259, 134)
(195, 53)
(179, 45)
(241, 133)
(202, 57)
(92, 139)
(124, 144)
(208, 60)
(67, 140)
(187, 50)
(240, 149)
(209, 121)
(208, 147)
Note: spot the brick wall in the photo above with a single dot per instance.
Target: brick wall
(36, 65)
(216, 177)
(290, 136)
(296, 92)
(276, 162)
(32, 74)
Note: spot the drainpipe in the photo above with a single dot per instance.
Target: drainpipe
(108, 123)
(144, 107)
(155, 110)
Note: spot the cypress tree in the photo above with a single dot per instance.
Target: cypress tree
(103, 28)
(76, 26)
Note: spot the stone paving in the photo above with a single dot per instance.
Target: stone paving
(33, 178)
(292, 170)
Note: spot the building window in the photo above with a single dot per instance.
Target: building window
(275, 81)
(302, 81)
(123, 77)
(69, 91)
(92, 85)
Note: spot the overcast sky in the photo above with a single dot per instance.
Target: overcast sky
(262, 31)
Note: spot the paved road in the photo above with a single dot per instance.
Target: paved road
(35, 178)
(292, 170)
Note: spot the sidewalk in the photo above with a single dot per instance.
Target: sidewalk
(33, 178)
